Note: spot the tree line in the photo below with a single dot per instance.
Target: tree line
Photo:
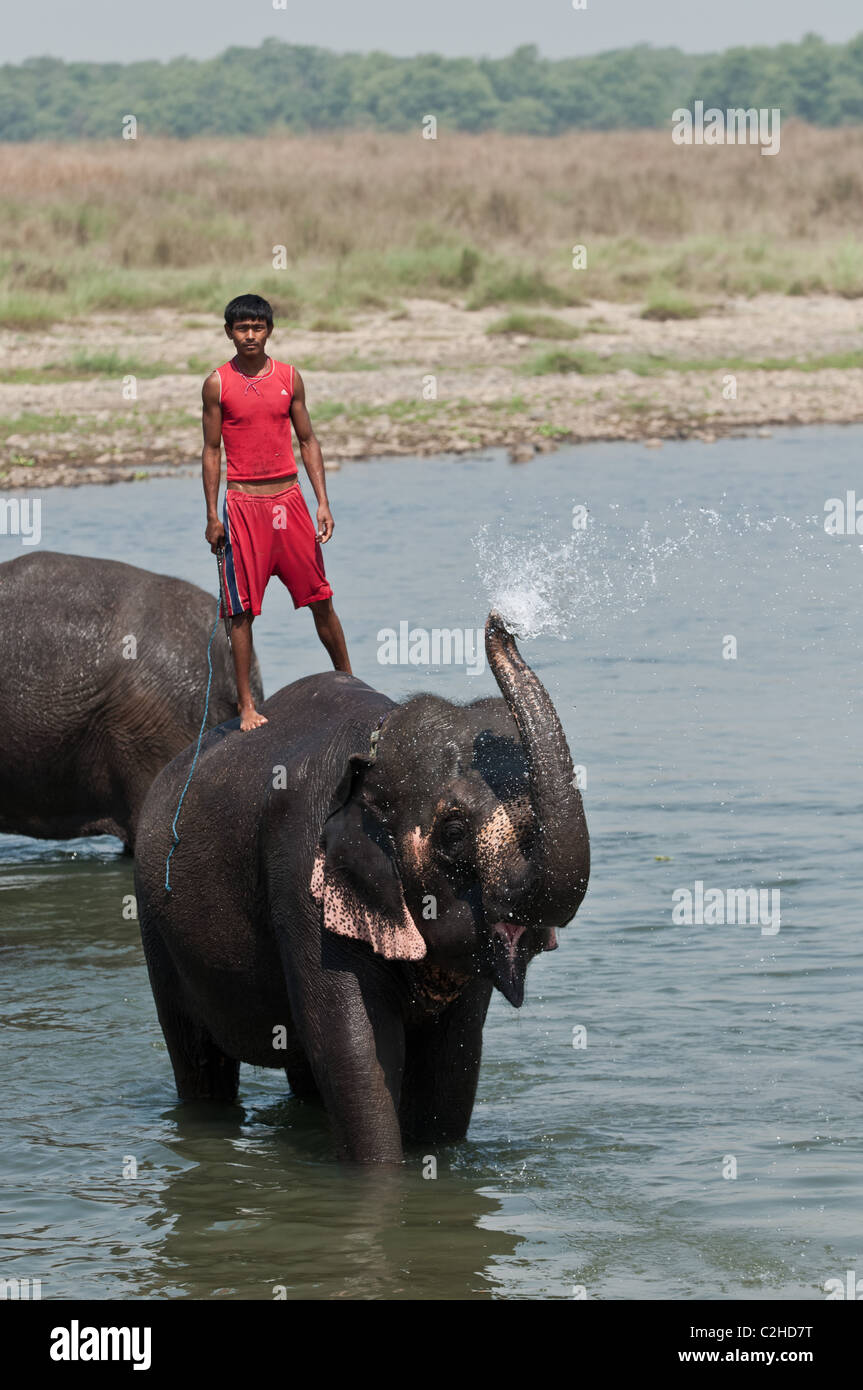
(287, 87)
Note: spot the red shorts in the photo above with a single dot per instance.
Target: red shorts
(267, 535)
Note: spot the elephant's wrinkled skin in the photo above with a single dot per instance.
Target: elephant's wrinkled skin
(299, 931)
(86, 725)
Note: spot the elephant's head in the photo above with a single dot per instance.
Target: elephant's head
(460, 838)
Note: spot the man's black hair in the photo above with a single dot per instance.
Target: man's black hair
(248, 306)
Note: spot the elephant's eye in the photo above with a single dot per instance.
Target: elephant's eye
(454, 833)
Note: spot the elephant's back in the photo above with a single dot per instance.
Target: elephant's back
(99, 613)
(80, 633)
(76, 582)
(295, 759)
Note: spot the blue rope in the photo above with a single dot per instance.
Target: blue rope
(197, 751)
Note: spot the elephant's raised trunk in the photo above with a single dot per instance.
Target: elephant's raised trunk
(554, 881)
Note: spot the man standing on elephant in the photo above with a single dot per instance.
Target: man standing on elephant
(265, 529)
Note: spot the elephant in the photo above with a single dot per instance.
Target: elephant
(350, 883)
(102, 682)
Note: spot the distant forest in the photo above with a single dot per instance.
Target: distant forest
(286, 87)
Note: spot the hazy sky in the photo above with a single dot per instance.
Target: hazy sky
(102, 30)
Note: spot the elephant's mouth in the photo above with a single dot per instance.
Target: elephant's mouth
(513, 946)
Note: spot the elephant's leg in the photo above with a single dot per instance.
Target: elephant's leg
(357, 1068)
(301, 1078)
(202, 1070)
(135, 773)
(138, 784)
(442, 1070)
(351, 1031)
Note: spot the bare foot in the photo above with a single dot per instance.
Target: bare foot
(249, 718)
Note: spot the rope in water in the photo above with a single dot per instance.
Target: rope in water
(197, 751)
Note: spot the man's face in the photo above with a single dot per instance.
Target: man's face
(249, 336)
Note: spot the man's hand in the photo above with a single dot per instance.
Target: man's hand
(215, 534)
(325, 523)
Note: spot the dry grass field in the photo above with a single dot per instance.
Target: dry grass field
(368, 218)
(405, 257)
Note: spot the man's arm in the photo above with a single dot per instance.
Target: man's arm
(313, 459)
(211, 459)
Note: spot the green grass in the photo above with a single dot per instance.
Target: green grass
(328, 410)
(847, 269)
(516, 405)
(435, 271)
(587, 363)
(331, 324)
(131, 419)
(202, 366)
(351, 363)
(408, 410)
(534, 326)
(624, 269)
(116, 289)
(403, 410)
(32, 423)
(84, 364)
(671, 275)
(665, 304)
(151, 422)
(110, 364)
(560, 360)
(520, 286)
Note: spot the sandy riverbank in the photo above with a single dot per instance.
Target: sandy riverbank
(365, 386)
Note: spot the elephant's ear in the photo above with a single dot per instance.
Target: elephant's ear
(356, 878)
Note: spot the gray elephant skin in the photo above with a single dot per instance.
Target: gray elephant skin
(342, 905)
(102, 682)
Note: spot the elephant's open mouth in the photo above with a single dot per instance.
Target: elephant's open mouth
(513, 947)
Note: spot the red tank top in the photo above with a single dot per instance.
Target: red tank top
(256, 421)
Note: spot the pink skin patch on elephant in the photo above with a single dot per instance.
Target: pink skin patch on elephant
(344, 914)
(502, 836)
(512, 934)
(415, 850)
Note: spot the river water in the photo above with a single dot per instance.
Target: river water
(706, 1142)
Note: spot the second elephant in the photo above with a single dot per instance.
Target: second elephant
(103, 675)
